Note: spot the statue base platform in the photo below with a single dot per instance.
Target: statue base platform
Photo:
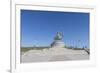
(58, 43)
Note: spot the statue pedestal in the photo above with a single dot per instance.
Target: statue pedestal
(58, 43)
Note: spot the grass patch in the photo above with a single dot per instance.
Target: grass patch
(25, 49)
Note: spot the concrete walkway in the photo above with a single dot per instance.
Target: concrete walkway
(54, 54)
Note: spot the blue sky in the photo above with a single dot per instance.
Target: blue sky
(38, 28)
